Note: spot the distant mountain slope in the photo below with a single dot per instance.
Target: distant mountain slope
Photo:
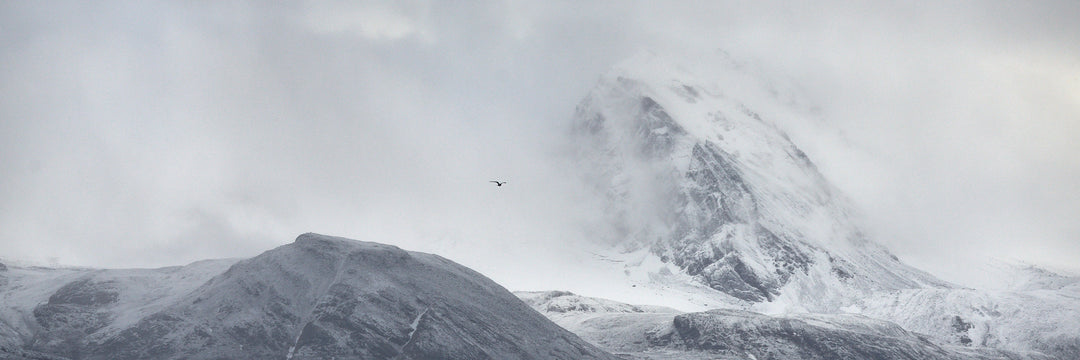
(1043, 320)
(656, 333)
(695, 172)
(700, 185)
(1014, 306)
(320, 297)
(45, 308)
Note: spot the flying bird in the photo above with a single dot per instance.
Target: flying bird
(498, 183)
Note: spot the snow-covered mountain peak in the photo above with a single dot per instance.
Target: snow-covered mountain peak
(651, 109)
(693, 167)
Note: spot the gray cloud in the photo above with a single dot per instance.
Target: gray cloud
(154, 134)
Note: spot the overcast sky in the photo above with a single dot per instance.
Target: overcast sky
(159, 133)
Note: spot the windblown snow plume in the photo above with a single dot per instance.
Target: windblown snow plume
(693, 167)
(695, 170)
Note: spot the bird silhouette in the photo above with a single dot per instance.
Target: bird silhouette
(498, 183)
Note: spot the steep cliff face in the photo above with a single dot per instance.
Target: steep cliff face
(705, 181)
(318, 298)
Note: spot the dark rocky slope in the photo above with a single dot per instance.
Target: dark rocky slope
(320, 297)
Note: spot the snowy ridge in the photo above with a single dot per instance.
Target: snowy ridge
(1015, 275)
(553, 302)
(1041, 320)
(117, 298)
(658, 333)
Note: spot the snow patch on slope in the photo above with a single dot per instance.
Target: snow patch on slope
(138, 292)
(1040, 320)
(659, 333)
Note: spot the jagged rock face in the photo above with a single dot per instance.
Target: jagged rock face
(318, 298)
(710, 185)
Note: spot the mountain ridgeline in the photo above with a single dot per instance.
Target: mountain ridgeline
(318, 298)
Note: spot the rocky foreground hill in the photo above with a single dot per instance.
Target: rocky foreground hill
(320, 297)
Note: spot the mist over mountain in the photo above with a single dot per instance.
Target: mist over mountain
(695, 170)
(188, 126)
(706, 228)
(700, 180)
(805, 180)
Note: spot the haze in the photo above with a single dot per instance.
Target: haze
(140, 134)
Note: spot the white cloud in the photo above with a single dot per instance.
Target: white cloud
(129, 129)
(373, 20)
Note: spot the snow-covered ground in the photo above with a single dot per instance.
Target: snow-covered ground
(133, 293)
(1043, 320)
(641, 332)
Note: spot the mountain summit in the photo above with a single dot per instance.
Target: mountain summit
(697, 175)
(320, 297)
(701, 176)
